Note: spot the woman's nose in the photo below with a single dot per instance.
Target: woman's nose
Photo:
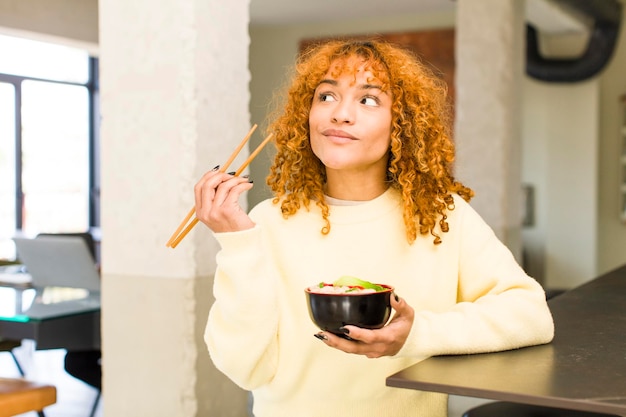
(343, 113)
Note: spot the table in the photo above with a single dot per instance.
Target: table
(584, 368)
(53, 317)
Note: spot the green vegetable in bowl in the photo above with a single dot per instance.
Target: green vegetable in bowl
(348, 281)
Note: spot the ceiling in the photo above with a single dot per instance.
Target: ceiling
(547, 15)
(275, 12)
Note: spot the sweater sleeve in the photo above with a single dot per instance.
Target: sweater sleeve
(499, 307)
(241, 329)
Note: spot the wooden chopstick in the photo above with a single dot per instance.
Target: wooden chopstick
(180, 227)
(195, 221)
(223, 168)
(237, 150)
(178, 235)
(253, 154)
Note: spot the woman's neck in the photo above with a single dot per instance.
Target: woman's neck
(355, 188)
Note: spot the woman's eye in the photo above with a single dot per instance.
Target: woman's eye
(326, 97)
(369, 101)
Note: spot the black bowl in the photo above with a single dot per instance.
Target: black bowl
(332, 311)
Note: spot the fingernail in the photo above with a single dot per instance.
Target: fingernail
(344, 330)
(396, 297)
(321, 336)
(231, 173)
(216, 168)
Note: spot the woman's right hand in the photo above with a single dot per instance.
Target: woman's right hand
(217, 202)
(386, 341)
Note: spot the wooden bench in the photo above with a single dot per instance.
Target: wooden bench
(18, 396)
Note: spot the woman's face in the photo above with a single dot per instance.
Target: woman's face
(350, 122)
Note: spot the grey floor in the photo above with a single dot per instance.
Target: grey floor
(458, 405)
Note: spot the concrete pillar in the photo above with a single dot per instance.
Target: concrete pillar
(489, 71)
(174, 97)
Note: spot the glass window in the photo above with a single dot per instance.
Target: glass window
(7, 168)
(48, 140)
(55, 157)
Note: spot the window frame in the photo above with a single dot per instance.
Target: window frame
(93, 90)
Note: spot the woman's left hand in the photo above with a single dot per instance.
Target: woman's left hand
(386, 341)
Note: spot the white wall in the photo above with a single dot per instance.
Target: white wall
(174, 104)
(559, 145)
(611, 229)
(490, 66)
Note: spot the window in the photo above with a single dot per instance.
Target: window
(48, 140)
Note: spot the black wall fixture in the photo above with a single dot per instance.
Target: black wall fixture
(607, 16)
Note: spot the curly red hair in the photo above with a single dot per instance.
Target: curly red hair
(421, 152)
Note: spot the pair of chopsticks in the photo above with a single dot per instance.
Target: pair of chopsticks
(182, 231)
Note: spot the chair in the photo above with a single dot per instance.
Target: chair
(8, 346)
(86, 236)
(508, 409)
(18, 396)
(86, 366)
(72, 366)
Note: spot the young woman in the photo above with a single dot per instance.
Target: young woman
(363, 186)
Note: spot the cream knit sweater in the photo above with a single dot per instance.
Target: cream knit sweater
(469, 296)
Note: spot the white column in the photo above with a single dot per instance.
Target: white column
(174, 83)
(489, 71)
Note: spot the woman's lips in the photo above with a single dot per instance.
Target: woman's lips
(333, 133)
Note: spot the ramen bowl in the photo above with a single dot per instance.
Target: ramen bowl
(331, 311)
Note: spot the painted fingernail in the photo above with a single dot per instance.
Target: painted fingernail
(396, 297)
(231, 173)
(321, 336)
(344, 330)
(216, 168)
